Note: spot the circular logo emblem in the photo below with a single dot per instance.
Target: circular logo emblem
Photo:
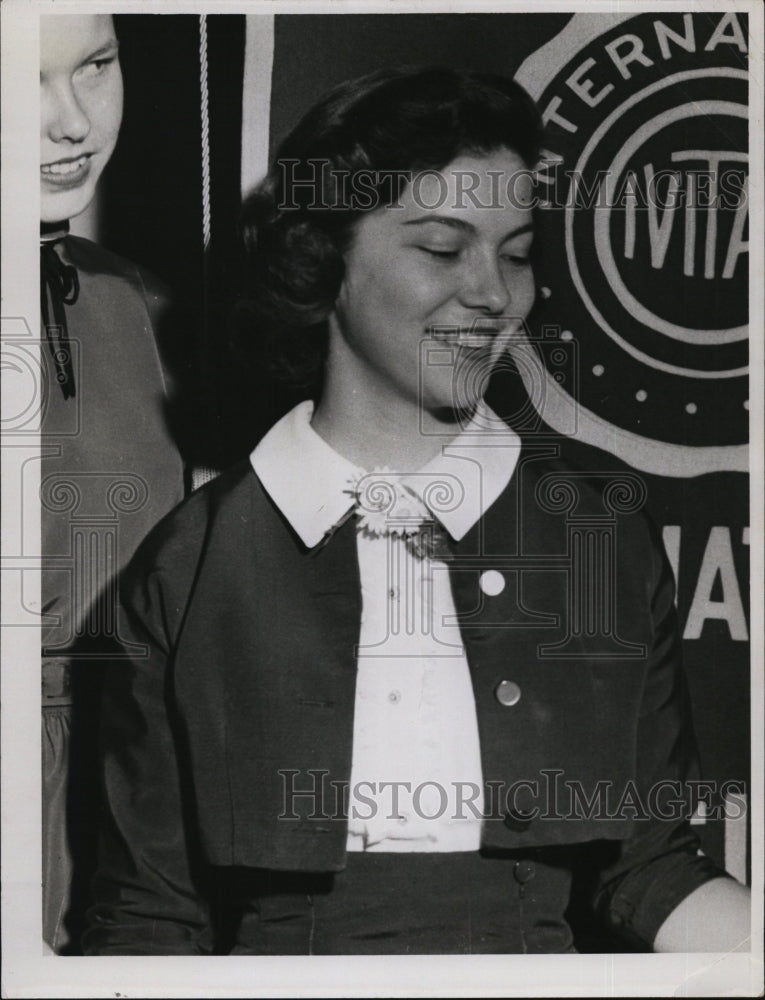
(643, 229)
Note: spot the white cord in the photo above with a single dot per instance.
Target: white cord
(202, 474)
(205, 109)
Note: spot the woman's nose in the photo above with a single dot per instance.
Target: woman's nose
(485, 286)
(64, 116)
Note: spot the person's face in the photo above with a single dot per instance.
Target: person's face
(81, 110)
(455, 275)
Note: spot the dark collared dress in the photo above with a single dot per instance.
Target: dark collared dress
(224, 743)
(110, 471)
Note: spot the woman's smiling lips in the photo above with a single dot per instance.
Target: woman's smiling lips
(67, 172)
(475, 335)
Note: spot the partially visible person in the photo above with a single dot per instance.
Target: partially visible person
(110, 465)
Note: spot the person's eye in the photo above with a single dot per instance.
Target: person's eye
(518, 253)
(97, 66)
(439, 253)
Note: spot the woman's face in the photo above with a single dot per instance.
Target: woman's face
(81, 110)
(436, 286)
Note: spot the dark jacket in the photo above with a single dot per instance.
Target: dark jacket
(237, 691)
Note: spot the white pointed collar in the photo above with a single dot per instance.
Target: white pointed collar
(313, 485)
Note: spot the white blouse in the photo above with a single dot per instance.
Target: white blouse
(416, 781)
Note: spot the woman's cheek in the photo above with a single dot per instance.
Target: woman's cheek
(524, 295)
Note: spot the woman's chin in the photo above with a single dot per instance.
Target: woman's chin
(58, 206)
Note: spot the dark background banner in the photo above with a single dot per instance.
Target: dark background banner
(632, 397)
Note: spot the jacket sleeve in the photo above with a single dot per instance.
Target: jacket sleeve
(661, 864)
(147, 887)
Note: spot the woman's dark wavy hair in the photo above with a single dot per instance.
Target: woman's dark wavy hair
(382, 128)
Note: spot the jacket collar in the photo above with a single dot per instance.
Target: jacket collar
(313, 485)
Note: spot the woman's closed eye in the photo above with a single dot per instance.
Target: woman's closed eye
(518, 251)
(442, 252)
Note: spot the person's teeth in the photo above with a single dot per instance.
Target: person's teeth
(65, 168)
(465, 336)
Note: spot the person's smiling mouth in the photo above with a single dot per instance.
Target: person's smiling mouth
(478, 334)
(68, 171)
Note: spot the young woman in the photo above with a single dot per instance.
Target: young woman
(365, 720)
(110, 466)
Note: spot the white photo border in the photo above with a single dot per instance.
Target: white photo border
(27, 972)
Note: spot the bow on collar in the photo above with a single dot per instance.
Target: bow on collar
(386, 507)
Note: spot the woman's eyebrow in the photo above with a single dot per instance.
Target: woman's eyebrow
(445, 220)
(448, 220)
